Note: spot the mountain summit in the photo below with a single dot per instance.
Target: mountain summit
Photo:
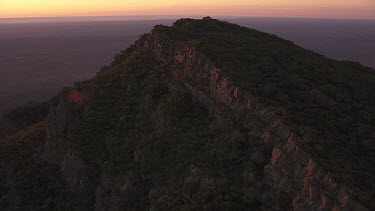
(202, 115)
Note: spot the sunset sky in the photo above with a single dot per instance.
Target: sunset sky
(353, 9)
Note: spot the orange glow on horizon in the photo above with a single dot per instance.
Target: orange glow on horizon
(273, 8)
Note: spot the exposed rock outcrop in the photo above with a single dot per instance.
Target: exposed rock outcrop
(291, 170)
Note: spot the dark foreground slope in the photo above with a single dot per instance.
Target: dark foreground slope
(206, 115)
(28, 181)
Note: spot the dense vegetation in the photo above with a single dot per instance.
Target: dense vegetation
(159, 137)
(331, 104)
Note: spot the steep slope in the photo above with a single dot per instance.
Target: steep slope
(209, 115)
(329, 104)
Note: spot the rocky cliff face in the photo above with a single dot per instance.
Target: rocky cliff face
(165, 128)
(291, 170)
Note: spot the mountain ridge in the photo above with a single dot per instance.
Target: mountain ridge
(112, 135)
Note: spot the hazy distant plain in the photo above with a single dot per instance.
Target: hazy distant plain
(37, 59)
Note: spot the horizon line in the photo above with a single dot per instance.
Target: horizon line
(160, 17)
